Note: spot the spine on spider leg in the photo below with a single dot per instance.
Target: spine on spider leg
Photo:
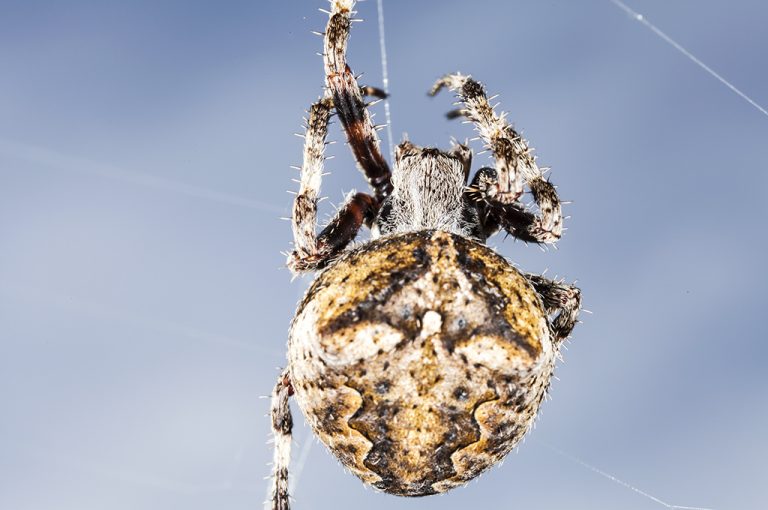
(305, 204)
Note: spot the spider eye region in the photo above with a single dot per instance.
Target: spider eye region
(420, 360)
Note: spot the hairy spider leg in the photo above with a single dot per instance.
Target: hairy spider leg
(312, 251)
(560, 298)
(348, 100)
(515, 218)
(515, 164)
(282, 426)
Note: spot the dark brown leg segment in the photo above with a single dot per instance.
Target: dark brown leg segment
(561, 299)
(312, 251)
(358, 209)
(348, 100)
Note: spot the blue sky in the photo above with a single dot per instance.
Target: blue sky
(144, 154)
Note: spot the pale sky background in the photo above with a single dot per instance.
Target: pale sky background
(144, 154)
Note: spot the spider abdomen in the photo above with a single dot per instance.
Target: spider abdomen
(420, 360)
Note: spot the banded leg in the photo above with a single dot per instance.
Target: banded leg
(560, 298)
(282, 425)
(514, 164)
(312, 251)
(348, 100)
(514, 217)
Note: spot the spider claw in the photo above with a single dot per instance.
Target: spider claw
(455, 114)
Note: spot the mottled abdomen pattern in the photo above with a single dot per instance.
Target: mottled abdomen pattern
(420, 360)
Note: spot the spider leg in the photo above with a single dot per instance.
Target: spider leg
(514, 163)
(514, 217)
(348, 100)
(560, 298)
(282, 425)
(489, 221)
(312, 251)
(367, 90)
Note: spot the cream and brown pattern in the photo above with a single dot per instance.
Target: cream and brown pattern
(420, 360)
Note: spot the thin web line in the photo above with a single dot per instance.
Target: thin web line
(308, 438)
(74, 304)
(640, 18)
(617, 480)
(60, 161)
(385, 76)
(303, 456)
(83, 466)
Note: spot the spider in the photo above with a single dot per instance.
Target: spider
(420, 357)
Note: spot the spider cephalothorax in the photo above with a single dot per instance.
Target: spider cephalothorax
(419, 358)
(428, 192)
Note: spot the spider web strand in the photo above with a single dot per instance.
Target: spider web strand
(653, 28)
(303, 456)
(385, 76)
(618, 480)
(56, 160)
